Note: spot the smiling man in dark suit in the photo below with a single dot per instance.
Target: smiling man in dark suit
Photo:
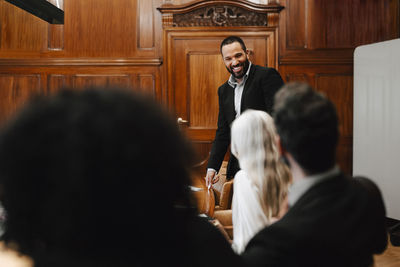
(249, 86)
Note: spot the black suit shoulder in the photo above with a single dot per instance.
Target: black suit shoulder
(338, 221)
(267, 72)
(259, 69)
(260, 88)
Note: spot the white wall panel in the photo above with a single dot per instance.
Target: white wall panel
(376, 143)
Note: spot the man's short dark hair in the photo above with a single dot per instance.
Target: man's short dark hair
(307, 124)
(94, 178)
(232, 39)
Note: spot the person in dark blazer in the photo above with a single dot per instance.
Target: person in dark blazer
(333, 219)
(249, 86)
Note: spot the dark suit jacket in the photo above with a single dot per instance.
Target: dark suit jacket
(338, 222)
(258, 93)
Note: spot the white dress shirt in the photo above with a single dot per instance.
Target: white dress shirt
(238, 87)
(300, 187)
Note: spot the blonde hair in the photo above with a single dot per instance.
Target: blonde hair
(253, 142)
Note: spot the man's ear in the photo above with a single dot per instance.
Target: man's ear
(248, 53)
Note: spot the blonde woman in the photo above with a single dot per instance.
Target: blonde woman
(260, 187)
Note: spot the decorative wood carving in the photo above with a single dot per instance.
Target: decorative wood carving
(220, 14)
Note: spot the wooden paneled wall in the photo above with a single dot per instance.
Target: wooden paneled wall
(317, 41)
(119, 42)
(102, 43)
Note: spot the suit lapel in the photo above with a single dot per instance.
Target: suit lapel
(231, 102)
(247, 85)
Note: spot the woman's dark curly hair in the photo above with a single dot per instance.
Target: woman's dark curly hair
(93, 178)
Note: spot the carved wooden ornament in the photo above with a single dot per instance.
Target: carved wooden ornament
(219, 14)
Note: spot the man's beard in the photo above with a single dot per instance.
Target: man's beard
(239, 75)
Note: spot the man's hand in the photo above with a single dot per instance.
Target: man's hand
(211, 178)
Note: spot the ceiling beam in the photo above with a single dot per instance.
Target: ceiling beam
(42, 9)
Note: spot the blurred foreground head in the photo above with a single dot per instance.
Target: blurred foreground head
(94, 178)
(307, 124)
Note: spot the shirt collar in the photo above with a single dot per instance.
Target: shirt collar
(232, 81)
(299, 188)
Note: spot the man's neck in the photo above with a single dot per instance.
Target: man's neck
(239, 80)
(298, 173)
(302, 181)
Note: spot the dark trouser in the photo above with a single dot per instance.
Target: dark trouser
(232, 168)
